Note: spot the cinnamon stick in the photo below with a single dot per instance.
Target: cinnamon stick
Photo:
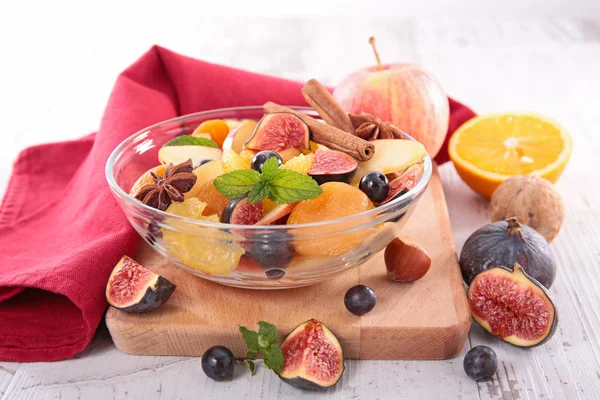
(330, 136)
(319, 98)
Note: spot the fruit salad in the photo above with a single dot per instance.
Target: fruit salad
(281, 170)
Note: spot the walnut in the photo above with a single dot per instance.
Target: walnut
(533, 201)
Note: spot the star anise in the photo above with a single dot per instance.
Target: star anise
(178, 180)
(369, 127)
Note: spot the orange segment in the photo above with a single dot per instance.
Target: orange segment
(217, 128)
(491, 148)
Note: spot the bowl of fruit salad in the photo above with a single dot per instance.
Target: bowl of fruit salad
(265, 200)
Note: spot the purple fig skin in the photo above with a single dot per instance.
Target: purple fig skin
(504, 243)
(154, 298)
(533, 282)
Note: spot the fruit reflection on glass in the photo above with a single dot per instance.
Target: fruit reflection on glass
(285, 170)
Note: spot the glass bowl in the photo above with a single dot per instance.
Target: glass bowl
(233, 254)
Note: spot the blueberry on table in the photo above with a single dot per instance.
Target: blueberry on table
(480, 363)
(218, 363)
(261, 157)
(360, 299)
(375, 185)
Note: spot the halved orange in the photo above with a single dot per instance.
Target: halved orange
(489, 149)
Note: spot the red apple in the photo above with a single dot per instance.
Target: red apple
(404, 94)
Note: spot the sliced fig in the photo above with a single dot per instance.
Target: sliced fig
(404, 182)
(512, 306)
(313, 357)
(332, 165)
(239, 211)
(279, 132)
(133, 288)
(277, 215)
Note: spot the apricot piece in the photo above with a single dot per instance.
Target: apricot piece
(338, 200)
(217, 128)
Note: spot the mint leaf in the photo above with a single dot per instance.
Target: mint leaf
(274, 358)
(252, 366)
(236, 183)
(188, 140)
(268, 332)
(269, 169)
(259, 191)
(251, 339)
(291, 186)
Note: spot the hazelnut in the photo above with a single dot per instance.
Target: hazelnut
(406, 260)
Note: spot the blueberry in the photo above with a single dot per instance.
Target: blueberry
(154, 232)
(480, 363)
(375, 185)
(360, 299)
(275, 273)
(218, 363)
(201, 162)
(261, 157)
(272, 251)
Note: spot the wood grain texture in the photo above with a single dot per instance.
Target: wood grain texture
(544, 65)
(427, 319)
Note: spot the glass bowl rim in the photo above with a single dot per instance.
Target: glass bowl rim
(401, 202)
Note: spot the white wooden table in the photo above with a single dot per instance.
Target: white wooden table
(549, 66)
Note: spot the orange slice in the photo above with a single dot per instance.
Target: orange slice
(491, 148)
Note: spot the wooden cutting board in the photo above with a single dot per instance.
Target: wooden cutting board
(427, 319)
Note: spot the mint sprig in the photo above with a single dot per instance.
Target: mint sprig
(280, 185)
(188, 140)
(236, 183)
(263, 344)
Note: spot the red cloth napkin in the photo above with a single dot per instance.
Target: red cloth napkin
(61, 231)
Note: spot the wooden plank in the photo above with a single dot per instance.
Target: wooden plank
(428, 319)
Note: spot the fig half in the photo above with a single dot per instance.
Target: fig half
(402, 183)
(239, 211)
(512, 306)
(313, 357)
(332, 166)
(279, 132)
(133, 288)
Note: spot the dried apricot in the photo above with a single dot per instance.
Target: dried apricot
(338, 200)
(217, 128)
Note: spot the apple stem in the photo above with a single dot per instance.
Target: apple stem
(372, 42)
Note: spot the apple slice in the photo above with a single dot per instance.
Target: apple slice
(179, 154)
(239, 135)
(390, 155)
